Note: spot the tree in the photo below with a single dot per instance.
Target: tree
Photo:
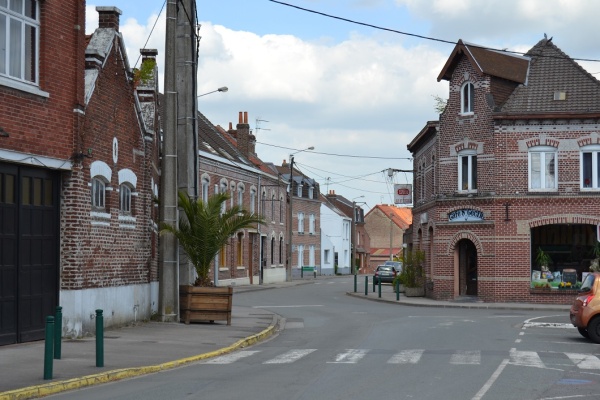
(204, 229)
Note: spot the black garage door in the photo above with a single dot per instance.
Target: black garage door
(29, 273)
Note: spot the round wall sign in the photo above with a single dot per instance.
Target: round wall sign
(115, 147)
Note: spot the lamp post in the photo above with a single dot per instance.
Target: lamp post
(221, 89)
(288, 275)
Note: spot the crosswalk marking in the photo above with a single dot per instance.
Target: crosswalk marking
(466, 357)
(527, 358)
(406, 357)
(413, 356)
(232, 357)
(351, 356)
(290, 356)
(584, 361)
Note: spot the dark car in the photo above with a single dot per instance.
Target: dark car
(396, 264)
(385, 274)
(585, 311)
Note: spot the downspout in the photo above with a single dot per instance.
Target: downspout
(260, 261)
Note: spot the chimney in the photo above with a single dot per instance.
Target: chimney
(246, 141)
(108, 17)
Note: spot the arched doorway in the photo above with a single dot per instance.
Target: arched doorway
(467, 268)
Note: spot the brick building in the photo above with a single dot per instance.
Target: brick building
(510, 167)
(77, 151)
(386, 225)
(228, 163)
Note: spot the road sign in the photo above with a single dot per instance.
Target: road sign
(402, 194)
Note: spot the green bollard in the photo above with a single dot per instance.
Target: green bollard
(48, 349)
(373, 284)
(355, 281)
(58, 333)
(99, 339)
(379, 286)
(397, 290)
(366, 285)
(301, 272)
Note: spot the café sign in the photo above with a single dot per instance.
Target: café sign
(465, 214)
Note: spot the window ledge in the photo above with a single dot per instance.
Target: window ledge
(542, 192)
(22, 86)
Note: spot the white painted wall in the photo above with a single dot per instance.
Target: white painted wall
(121, 305)
(335, 237)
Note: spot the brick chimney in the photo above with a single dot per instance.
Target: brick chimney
(108, 17)
(246, 141)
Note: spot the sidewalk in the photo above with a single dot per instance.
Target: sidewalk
(150, 347)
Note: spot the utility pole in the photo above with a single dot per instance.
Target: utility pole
(187, 105)
(168, 248)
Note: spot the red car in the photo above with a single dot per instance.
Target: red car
(585, 311)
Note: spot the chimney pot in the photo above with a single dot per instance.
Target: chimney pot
(230, 126)
(245, 117)
(240, 118)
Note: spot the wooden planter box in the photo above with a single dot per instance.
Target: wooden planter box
(201, 304)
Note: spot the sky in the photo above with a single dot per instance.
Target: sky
(355, 79)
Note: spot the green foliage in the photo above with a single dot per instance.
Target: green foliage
(204, 229)
(542, 258)
(440, 104)
(413, 273)
(144, 73)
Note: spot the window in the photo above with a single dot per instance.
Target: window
(222, 256)
(240, 238)
(252, 201)
(98, 193)
(300, 222)
(467, 172)
(542, 168)
(467, 98)
(232, 195)
(280, 208)
(272, 250)
(326, 256)
(280, 250)
(311, 255)
(299, 190)
(311, 224)
(19, 37)
(125, 198)
(240, 194)
(310, 192)
(223, 190)
(205, 183)
(590, 167)
(273, 207)
(300, 256)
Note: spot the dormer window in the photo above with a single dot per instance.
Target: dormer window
(299, 190)
(467, 98)
(560, 95)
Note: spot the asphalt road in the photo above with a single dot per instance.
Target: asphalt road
(336, 346)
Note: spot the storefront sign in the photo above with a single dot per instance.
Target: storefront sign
(402, 194)
(465, 214)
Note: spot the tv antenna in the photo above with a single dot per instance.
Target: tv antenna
(257, 125)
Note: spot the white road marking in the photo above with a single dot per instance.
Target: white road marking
(406, 357)
(490, 381)
(351, 356)
(233, 357)
(467, 357)
(584, 361)
(298, 306)
(527, 358)
(290, 356)
(547, 325)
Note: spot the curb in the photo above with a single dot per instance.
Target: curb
(33, 392)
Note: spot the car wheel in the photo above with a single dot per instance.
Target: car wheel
(593, 329)
(583, 332)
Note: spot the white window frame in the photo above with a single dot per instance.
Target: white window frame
(223, 189)
(125, 198)
(98, 193)
(471, 179)
(594, 178)
(205, 185)
(311, 255)
(299, 190)
(541, 176)
(300, 256)
(240, 195)
(467, 98)
(310, 192)
(252, 200)
(311, 224)
(300, 222)
(28, 58)
(326, 256)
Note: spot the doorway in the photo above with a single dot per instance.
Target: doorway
(467, 267)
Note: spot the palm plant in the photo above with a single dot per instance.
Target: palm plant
(204, 229)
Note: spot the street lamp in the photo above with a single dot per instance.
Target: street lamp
(288, 276)
(221, 89)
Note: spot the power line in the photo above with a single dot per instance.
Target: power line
(150, 34)
(337, 155)
(420, 36)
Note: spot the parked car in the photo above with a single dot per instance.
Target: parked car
(385, 274)
(585, 311)
(396, 264)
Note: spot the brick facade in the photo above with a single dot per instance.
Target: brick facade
(482, 241)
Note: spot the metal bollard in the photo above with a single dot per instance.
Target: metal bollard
(397, 290)
(379, 288)
(373, 284)
(48, 348)
(58, 333)
(355, 281)
(366, 285)
(301, 272)
(99, 339)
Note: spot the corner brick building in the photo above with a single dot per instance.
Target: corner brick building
(510, 167)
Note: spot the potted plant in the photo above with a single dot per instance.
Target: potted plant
(204, 228)
(412, 276)
(543, 260)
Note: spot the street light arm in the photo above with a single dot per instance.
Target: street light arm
(221, 89)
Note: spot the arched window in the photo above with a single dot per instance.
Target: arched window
(125, 198)
(98, 193)
(252, 200)
(205, 185)
(467, 98)
(273, 207)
